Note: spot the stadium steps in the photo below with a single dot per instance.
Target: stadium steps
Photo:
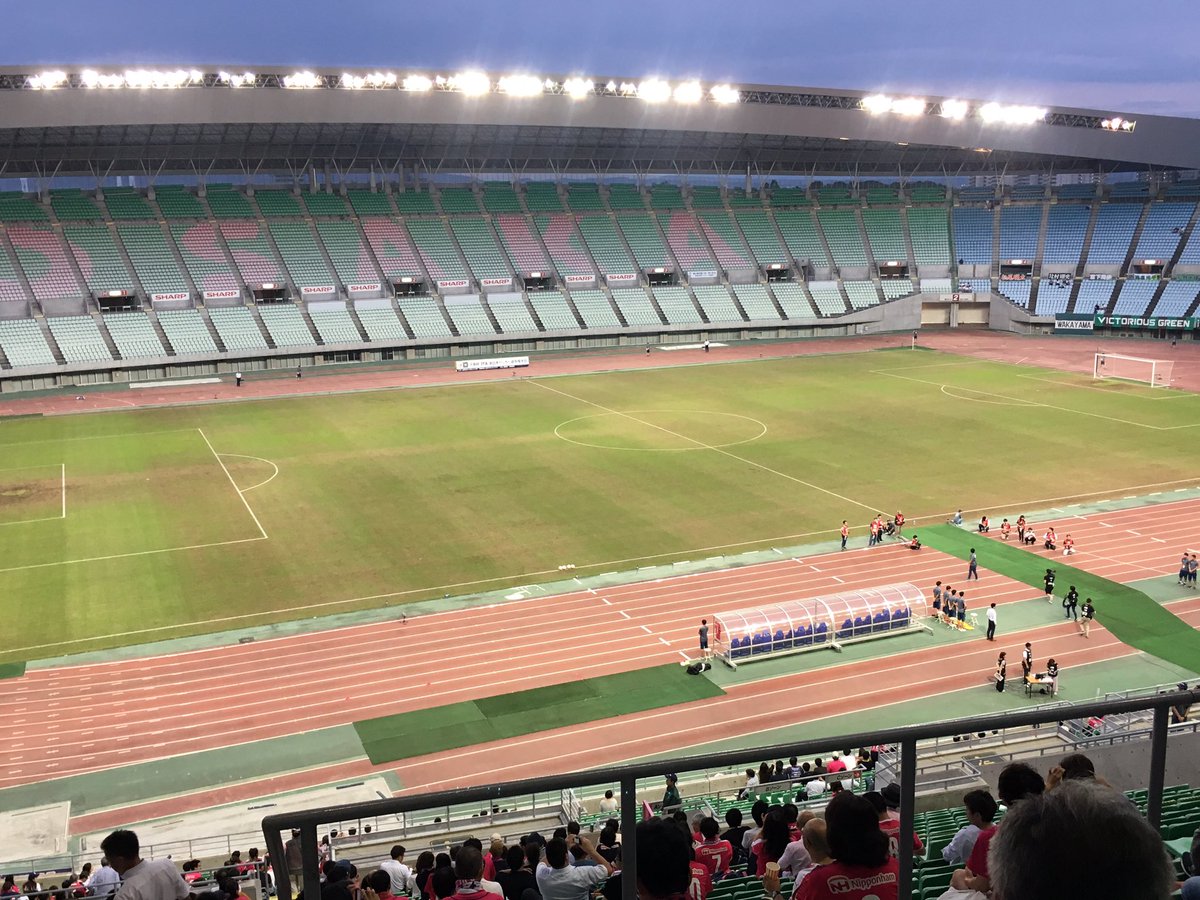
(1188, 230)
(605, 312)
(995, 270)
(107, 336)
(824, 241)
(1084, 250)
(152, 317)
(914, 270)
(48, 335)
(9, 252)
(1136, 237)
(868, 250)
(213, 331)
(1194, 308)
(1043, 230)
(73, 264)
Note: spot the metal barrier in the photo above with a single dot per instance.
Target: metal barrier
(308, 822)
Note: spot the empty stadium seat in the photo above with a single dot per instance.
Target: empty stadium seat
(625, 196)
(1177, 298)
(176, 202)
(186, 331)
(412, 203)
(862, 294)
(1051, 298)
(1113, 232)
(300, 254)
(1134, 297)
(468, 315)
(686, 241)
(436, 247)
(237, 328)
(725, 240)
(205, 259)
(523, 249)
(801, 236)
(717, 303)
(761, 236)
(584, 197)
(247, 242)
(605, 245)
(393, 248)
(1065, 231)
(1163, 230)
(369, 203)
(134, 334)
(756, 302)
(152, 258)
(286, 325)
(456, 200)
(973, 228)
(542, 196)
(98, 259)
(794, 301)
(552, 308)
(500, 197)
(347, 252)
(1016, 290)
(79, 339)
(895, 287)
(228, 203)
(380, 321)
(1093, 293)
(885, 234)
(72, 205)
(24, 344)
(278, 204)
(322, 204)
(510, 312)
(635, 307)
(16, 208)
(843, 236)
(10, 282)
(127, 203)
(333, 323)
(827, 297)
(566, 247)
(929, 232)
(937, 285)
(676, 305)
(479, 247)
(644, 240)
(595, 309)
(1019, 229)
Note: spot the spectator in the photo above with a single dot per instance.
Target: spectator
(772, 842)
(489, 866)
(796, 857)
(341, 882)
(1017, 782)
(609, 847)
(764, 774)
(105, 880)
(1074, 767)
(1179, 712)
(671, 799)
(757, 812)
(558, 880)
(609, 803)
(815, 787)
(154, 879)
(816, 841)
(469, 883)
(981, 811)
(442, 883)
(441, 861)
(423, 870)
(794, 771)
(734, 833)
(779, 773)
(1109, 847)
(31, 885)
(228, 884)
(9, 888)
(886, 804)
(498, 854)
(293, 855)
(862, 866)
(400, 874)
(715, 853)
(378, 886)
(664, 871)
(518, 877)
(819, 766)
(751, 784)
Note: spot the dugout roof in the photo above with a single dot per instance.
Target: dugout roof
(205, 124)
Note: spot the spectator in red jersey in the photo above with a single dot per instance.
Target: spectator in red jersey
(862, 868)
(191, 871)
(835, 764)
(700, 884)
(772, 842)
(1005, 529)
(889, 818)
(713, 851)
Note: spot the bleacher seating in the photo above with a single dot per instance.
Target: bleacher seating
(686, 241)
(278, 204)
(793, 299)
(1177, 298)
(542, 196)
(837, 194)
(524, 251)
(127, 204)
(1051, 298)
(17, 208)
(723, 237)
(1092, 294)
(930, 234)
(1076, 191)
(1129, 189)
(247, 242)
(635, 307)
(1016, 290)
(436, 247)
(393, 248)
(479, 247)
(237, 328)
(322, 204)
(885, 234)
(300, 254)
(286, 325)
(1163, 230)
(500, 197)
(186, 331)
(790, 196)
(347, 252)
(926, 192)
(605, 245)
(79, 339)
(666, 197)
(510, 313)
(739, 199)
(827, 297)
(973, 234)
(760, 235)
(595, 309)
(1065, 231)
(203, 256)
(468, 315)
(567, 249)
(716, 302)
(843, 236)
(10, 283)
(380, 321)
(152, 258)
(1019, 227)
(176, 202)
(584, 198)
(333, 323)
(644, 240)
(413, 203)
(458, 200)
(862, 294)
(975, 285)
(706, 197)
(756, 302)
(676, 305)
(801, 236)
(1114, 230)
(98, 259)
(369, 203)
(882, 194)
(895, 287)
(1134, 298)
(937, 286)
(72, 205)
(24, 344)
(228, 203)
(625, 196)
(552, 308)
(134, 335)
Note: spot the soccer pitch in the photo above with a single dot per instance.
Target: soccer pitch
(128, 527)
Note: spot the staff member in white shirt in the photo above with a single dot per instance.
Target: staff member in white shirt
(142, 879)
(991, 616)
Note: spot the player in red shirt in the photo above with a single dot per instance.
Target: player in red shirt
(1068, 545)
(712, 851)
(1005, 529)
(862, 868)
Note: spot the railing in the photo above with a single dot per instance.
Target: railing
(307, 823)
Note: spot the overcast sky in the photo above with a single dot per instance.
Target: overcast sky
(1136, 57)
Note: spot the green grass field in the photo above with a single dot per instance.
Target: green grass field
(387, 497)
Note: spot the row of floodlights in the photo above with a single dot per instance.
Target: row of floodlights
(997, 113)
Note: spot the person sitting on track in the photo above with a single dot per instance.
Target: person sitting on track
(915, 543)
(1029, 538)
(1005, 529)
(984, 525)
(1050, 541)
(956, 519)
(1068, 546)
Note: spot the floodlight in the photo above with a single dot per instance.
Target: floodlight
(303, 80)
(611, 86)
(417, 83)
(520, 85)
(354, 82)
(954, 109)
(909, 106)
(473, 83)
(45, 81)
(577, 88)
(1011, 115)
(234, 79)
(876, 104)
(723, 93)
(654, 90)
(688, 92)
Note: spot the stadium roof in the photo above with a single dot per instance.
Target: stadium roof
(72, 122)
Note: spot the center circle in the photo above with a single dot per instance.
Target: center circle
(661, 430)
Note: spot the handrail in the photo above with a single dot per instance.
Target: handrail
(308, 821)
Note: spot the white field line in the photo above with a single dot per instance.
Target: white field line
(88, 559)
(257, 459)
(241, 494)
(64, 490)
(703, 445)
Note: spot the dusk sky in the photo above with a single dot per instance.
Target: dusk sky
(1138, 57)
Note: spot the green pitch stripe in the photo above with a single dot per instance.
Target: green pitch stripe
(12, 670)
(405, 735)
(1133, 617)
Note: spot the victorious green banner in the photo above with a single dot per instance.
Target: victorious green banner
(1151, 322)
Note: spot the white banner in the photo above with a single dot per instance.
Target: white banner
(474, 365)
(581, 279)
(703, 273)
(317, 289)
(496, 282)
(174, 295)
(622, 278)
(452, 282)
(221, 295)
(363, 288)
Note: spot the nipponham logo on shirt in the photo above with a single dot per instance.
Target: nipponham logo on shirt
(844, 884)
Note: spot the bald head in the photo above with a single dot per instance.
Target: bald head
(816, 841)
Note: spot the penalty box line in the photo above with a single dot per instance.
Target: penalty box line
(62, 467)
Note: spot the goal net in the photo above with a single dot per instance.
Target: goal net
(1154, 372)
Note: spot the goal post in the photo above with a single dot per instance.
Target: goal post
(1154, 372)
